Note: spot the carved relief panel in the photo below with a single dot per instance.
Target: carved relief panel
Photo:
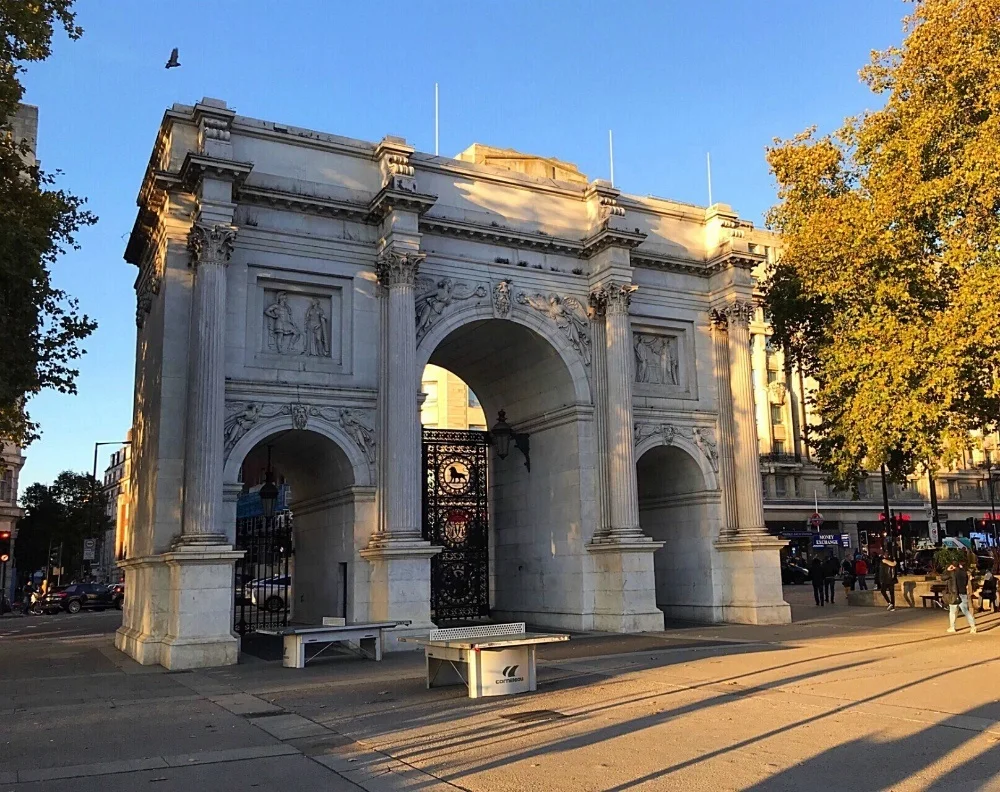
(663, 360)
(301, 325)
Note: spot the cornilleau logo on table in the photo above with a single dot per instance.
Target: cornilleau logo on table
(510, 675)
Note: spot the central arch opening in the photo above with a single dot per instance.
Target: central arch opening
(535, 537)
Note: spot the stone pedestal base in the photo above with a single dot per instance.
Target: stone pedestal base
(400, 588)
(625, 586)
(179, 608)
(751, 580)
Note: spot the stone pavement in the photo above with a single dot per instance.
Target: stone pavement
(845, 698)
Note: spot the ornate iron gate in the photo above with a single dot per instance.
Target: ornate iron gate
(456, 517)
(263, 585)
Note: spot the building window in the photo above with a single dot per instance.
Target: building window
(781, 486)
(431, 389)
(954, 489)
(777, 419)
(772, 376)
(7, 486)
(778, 446)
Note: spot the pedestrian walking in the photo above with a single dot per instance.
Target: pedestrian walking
(847, 573)
(860, 571)
(817, 577)
(887, 582)
(956, 596)
(831, 567)
(988, 592)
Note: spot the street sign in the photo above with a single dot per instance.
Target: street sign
(942, 516)
(845, 540)
(89, 549)
(826, 540)
(932, 530)
(815, 520)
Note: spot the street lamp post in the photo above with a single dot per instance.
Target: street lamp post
(988, 464)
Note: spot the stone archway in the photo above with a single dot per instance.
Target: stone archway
(679, 506)
(541, 519)
(332, 508)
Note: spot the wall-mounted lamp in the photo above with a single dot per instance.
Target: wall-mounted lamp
(500, 438)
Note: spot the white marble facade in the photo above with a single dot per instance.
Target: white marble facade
(293, 284)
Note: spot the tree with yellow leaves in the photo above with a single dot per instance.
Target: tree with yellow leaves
(887, 292)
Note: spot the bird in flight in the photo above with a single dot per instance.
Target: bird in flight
(173, 62)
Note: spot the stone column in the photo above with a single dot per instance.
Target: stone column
(624, 496)
(763, 408)
(399, 579)
(212, 246)
(600, 367)
(727, 465)
(624, 581)
(401, 488)
(746, 449)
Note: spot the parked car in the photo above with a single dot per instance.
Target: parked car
(794, 572)
(77, 597)
(273, 593)
(118, 594)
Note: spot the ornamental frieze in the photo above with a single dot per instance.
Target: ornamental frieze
(703, 439)
(242, 416)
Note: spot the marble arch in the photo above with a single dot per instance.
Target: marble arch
(362, 469)
(466, 315)
(284, 267)
(689, 447)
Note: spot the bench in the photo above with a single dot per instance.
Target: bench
(933, 599)
(490, 659)
(368, 638)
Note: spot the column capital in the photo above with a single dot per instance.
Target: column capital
(211, 244)
(398, 268)
(612, 298)
(736, 313)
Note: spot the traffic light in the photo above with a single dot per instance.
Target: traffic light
(4, 546)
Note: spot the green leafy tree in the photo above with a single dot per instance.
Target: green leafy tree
(40, 325)
(68, 511)
(885, 290)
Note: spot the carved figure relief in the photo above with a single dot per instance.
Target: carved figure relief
(300, 416)
(569, 315)
(657, 359)
(707, 445)
(434, 297)
(501, 299)
(362, 434)
(665, 430)
(317, 330)
(288, 335)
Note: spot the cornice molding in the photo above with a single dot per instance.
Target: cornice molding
(496, 235)
(390, 198)
(198, 166)
(611, 237)
(281, 199)
(655, 261)
(734, 259)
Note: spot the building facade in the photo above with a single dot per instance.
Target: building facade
(117, 480)
(292, 285)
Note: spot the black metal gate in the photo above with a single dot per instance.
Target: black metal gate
(263, 585)
(456, 517)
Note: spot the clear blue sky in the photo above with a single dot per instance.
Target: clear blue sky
(672, 79)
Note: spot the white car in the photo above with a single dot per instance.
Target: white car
(272, 594)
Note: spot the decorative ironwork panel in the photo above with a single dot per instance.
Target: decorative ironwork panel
(456, 517)
(263, 585)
